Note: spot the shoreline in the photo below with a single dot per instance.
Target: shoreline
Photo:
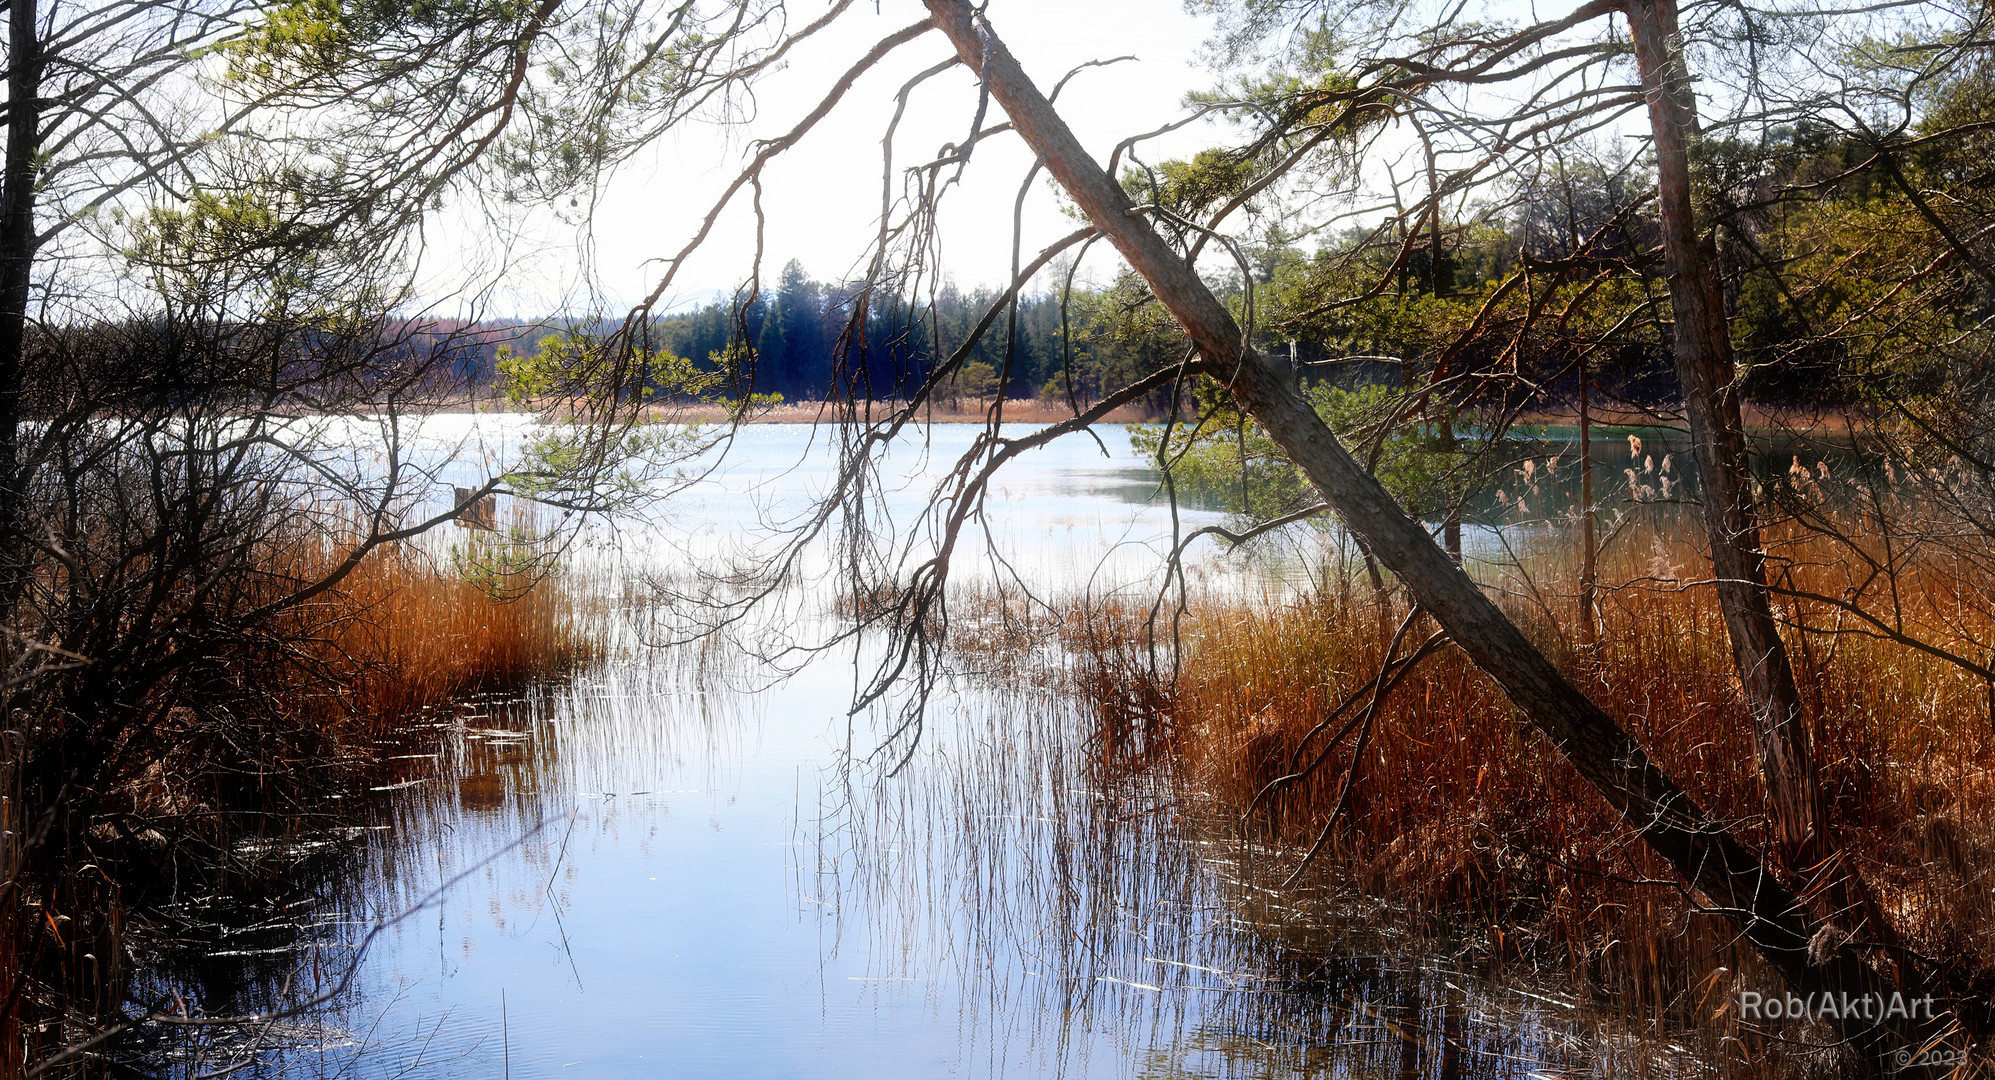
(1016, 411)
(1758, 421)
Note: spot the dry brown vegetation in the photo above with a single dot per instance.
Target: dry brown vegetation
(1460, 811)
(410, 629)
(318, 703)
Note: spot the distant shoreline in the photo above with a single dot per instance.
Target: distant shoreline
(1035, 411)
(1016, 411)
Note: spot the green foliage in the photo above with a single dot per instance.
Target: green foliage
(564, 362)
(300, 36)
(1192, 188)
(505, 563)
(975, 380)
(617, 464)
(246, 254)
(307, 38)
(1227, 461)
(578, 464)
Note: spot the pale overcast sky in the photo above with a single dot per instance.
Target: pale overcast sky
(822, 198)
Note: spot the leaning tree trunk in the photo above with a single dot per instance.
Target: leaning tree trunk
(1730, 877)
(1705, 372)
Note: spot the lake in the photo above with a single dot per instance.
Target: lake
(677, 864)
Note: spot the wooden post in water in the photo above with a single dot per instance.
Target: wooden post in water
(474, 512)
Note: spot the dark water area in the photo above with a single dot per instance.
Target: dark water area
(673, 864)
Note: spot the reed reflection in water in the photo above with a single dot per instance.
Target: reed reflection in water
(668, 877)
(669, 866)
(1104, 925)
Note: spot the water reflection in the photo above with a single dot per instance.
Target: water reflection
(668, 866)
(662, 878)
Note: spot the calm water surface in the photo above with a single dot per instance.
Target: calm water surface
(672, 865)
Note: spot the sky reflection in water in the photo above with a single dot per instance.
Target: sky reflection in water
(663, 868)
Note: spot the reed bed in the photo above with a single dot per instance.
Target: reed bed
(410, 629)
(326, 686)
(1476, 828)
(205, 785)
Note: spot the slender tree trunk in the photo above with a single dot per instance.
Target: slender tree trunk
(1381, 596)
(1588, 570)
(17, 254)
(17, 227)
(1240, 437)
(1704, 368)
(1451, 522)
(1443, 275)
(1731, 878)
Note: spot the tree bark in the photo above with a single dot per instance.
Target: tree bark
(17, 248)
(17, 256)
(1705, 372)
(1732, 879)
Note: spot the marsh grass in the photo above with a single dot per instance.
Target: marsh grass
(212, 788)
(410, 629)
(1478, 831)
(1079, 901)
(343, 677)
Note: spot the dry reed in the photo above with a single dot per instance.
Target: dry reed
(201, 791)
(1462, 813)
(409, 629)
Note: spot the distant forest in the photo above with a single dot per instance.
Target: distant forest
(791, 339)
(1506, 309)
(796, 338)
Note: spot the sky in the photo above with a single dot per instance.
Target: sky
(822, 197)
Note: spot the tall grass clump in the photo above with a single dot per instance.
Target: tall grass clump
(410, 629)
(1450, 805)
(305, 707)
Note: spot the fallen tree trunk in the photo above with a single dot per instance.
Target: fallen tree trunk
(1732, 879)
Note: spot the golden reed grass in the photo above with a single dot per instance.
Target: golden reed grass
(1466, 815)
(326, 684)
(291, 706)
(409, 629)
